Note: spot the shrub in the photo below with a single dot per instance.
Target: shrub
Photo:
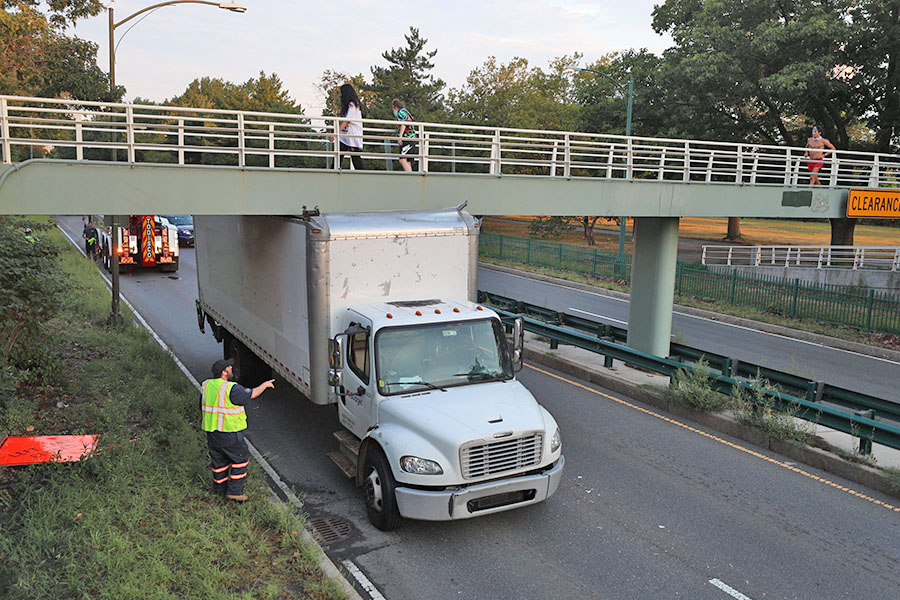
(693, 388)
(30, 286)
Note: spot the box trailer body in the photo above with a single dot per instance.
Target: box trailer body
(375, 313)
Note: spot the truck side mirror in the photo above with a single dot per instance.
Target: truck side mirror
(518, 343)
(336, 358)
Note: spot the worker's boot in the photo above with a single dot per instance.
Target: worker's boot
(237, 498)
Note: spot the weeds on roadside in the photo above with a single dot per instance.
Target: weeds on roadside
(755, 406)
(693, 388)
(893, 477)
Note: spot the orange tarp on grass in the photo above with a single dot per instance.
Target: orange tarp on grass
(35, 449)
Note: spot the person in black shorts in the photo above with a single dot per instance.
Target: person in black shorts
(407, 138)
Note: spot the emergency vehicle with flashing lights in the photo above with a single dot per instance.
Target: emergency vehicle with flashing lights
(146, 241)
(375, 312)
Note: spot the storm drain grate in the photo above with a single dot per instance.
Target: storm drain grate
(328, 530)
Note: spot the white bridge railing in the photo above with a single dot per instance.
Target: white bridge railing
(137, 133)
(882, 258)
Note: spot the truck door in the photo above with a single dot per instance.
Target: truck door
(355, 406)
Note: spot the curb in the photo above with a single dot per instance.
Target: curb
(325, 563)
(813, 456)
(805, 336)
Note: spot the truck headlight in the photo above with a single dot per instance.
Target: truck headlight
(420, 466)
(555, 441)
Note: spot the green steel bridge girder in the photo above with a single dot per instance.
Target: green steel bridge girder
(73, 187)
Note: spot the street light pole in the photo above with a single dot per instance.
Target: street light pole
(115, 316)
(629, 95)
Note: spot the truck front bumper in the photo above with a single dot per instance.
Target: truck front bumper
(479, 499)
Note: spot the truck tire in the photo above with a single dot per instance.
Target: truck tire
(381, 502)
(249, 370)
(170, 267)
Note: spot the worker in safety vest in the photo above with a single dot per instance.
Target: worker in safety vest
(28, 237)
(224, 422)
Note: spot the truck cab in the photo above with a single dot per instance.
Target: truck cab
(446, 431)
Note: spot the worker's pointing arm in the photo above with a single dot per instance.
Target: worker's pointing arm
(262, 387)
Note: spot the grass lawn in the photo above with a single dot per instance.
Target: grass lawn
(138, 519)
(754, 231)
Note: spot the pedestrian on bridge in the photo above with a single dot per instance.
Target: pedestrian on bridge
(351, 141)
(224, 421)
(407, 138)
(816, 159)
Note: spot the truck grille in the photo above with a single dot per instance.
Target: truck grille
(479, 460)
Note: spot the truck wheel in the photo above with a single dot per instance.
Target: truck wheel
(170, 267)
(381, 503)
(249, 370)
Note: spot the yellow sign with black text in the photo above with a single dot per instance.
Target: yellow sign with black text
(874, 203)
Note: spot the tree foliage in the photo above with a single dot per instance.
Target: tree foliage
(407, 77)
(38, 59)
(266, 93)
(517, 95)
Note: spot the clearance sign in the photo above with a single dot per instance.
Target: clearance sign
(879, 204)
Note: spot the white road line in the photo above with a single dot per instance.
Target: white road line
(363, 580)
(778, 335)
(728, 589)
(325, 563)
(584, 312)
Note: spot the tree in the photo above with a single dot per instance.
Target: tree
(408, 77)
(38, 59)
(266, 93)
(764, 70)
(516, 95)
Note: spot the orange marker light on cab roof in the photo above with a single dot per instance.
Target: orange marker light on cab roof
(478, 308)
(418, 313)
(437, 311)
(390, 316)
(455, 309)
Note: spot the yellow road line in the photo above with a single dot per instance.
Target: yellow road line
(721, 441)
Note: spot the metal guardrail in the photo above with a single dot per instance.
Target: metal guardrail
(807, 399)
(81, 130)
(866, 309)
(880, 258)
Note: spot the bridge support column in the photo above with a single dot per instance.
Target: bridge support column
(652, 284)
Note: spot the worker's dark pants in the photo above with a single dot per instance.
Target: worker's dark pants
(229, 468)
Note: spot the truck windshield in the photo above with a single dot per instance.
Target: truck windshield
(441, 355)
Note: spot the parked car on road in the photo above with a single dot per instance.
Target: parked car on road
(185, 225)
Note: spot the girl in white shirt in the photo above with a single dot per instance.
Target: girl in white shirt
(351, 132)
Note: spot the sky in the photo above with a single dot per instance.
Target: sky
(298, 40)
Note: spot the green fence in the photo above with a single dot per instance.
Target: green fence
(862, 308)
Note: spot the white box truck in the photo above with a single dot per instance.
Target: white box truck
(374, 312)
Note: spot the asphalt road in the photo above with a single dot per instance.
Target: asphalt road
(866, 374)
(648, 507)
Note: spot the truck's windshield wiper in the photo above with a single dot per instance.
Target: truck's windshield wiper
(427, 384)
(478, 375)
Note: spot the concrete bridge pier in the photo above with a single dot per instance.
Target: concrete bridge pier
(652, 284)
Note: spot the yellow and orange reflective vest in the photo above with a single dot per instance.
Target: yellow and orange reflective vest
(219, 414)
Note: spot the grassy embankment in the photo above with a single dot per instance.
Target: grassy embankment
(756, 231)
(138, 519)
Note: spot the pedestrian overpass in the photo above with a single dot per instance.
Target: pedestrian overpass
(67, 157)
